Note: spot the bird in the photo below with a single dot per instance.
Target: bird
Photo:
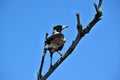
(56, 41)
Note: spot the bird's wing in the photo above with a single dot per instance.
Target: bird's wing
(49, 39)
(58, 41)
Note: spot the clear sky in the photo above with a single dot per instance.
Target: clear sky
(23, 24)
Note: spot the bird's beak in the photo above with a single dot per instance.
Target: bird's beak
(63, 27)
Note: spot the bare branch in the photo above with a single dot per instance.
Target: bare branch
(100, 3)
(42, 61)
(97, 7)
(96, 18)
(79, 26)
(80, 34)
(69, 51)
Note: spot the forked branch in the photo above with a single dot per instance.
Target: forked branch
(80, 34)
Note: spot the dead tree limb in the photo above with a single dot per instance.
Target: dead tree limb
(39, 75)
(80, 34)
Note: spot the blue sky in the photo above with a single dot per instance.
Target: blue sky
(23, 24)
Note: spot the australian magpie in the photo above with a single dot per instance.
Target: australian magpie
(56, 41)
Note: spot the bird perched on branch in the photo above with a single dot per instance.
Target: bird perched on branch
(56, 41)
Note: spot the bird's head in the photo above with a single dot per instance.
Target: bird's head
(58, 28)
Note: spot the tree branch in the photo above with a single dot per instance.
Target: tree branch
(39, 75)
(96, 18)
(80, 34)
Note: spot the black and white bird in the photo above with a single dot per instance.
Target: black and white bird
(56, 41)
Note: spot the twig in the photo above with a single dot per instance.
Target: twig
(80, 34)
(42, 61)
(96, 18)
